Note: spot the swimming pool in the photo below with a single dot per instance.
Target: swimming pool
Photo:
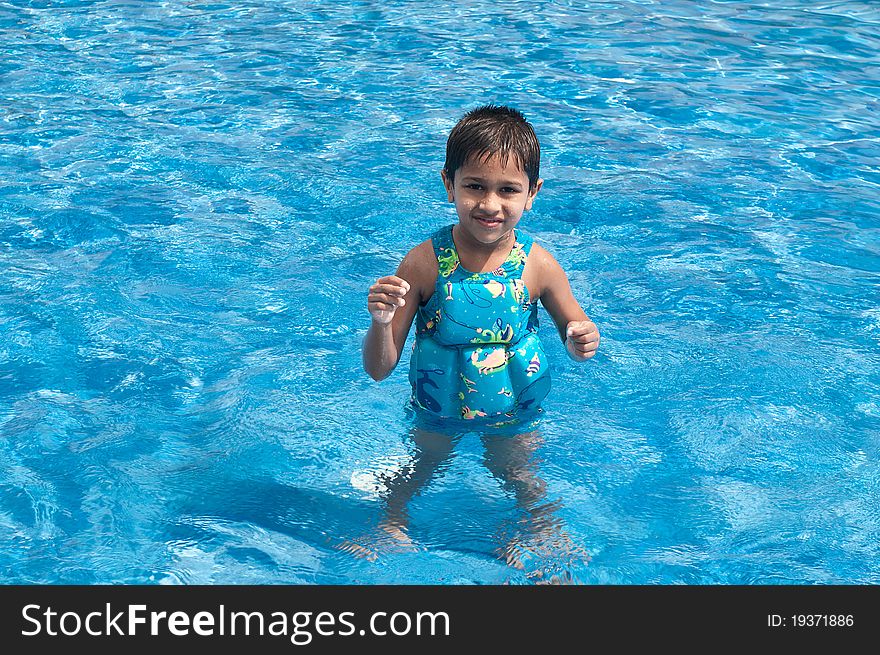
(197, 196)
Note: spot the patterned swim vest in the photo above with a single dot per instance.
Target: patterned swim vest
(477, 351)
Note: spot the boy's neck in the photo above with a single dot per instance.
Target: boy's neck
(475, 254)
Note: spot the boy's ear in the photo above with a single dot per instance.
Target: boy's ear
(448, 184)
(534, 192)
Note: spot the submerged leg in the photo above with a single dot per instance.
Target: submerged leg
(511, 460)
(539, 534)
(431, 454)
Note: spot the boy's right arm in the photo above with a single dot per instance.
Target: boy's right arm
(393, 301)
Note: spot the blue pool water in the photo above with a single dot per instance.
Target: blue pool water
(196, 196)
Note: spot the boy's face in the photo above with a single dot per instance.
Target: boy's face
(489, 197)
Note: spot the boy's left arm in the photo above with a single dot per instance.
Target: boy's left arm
(579, 333)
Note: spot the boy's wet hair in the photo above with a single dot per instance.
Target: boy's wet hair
(493, 130)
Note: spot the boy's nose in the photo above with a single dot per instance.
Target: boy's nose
(490, 204)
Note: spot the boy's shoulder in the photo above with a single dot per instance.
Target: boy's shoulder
(541, 256)
(423, 256)
(419, 267)
(543, 269)
(422, 252)
(425, 253)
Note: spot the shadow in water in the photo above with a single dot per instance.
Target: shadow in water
(533, 540)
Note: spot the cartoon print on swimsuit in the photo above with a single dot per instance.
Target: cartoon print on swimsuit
(495, 288)
(430, 325)
(502, 333)
(515, 260)
(461, 301)
(492, 363)
(534, 365)
(532, 320)
(537, 390)
(468, 413)
(447, 261)
(519, 292)
(426, 400)
(470, 385)
(473, 291)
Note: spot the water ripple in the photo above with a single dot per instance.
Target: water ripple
(197, 196)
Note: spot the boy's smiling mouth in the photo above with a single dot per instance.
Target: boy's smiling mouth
(488, 222)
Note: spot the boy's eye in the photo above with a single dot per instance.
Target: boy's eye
(479, 187)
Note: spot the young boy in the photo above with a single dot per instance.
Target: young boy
(477, 360)
(474, 286)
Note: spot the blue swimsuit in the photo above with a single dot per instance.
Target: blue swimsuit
(477, 351)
